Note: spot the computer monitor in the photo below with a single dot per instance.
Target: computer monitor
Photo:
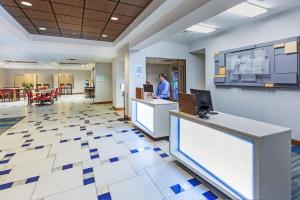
(203, 99)
(148, 88)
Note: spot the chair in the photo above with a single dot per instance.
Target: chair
(56, 93)
(1, 95)
(37, 86)
(69, 88)
(62, 88)
(8, 94)
(31, 98)
(48, 98)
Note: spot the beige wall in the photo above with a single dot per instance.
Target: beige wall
(3, 79)
(79, 76)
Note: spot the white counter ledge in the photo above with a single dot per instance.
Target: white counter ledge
(152, 116)
(244, 158)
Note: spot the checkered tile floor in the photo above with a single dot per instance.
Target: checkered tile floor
(74, 150)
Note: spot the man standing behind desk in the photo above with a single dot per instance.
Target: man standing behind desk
(163, 88)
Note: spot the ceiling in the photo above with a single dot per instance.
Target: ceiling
(226, 20)
(82, 19)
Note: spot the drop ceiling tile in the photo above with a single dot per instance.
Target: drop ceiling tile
(116, 26)
(8, 3)
(78, 3)
(42, 23)
(123, 19)
(128, 10)
(96, 15)
(17, 12)
(87, 34)
(70, 32)
(94, 23)
(50, 30)
(23, 20)
(140, 3)
(67, 10)
(70, 26)
(31, 29)
(91, 29)
(39, 5)
(68, 19)
(102, 5)
(111, 32)
(34, 14)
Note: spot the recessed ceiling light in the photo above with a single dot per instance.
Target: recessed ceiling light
(104, 35)
(26, 3)
(247, 9)
(201, 29)
(43, 28)
(114, 18)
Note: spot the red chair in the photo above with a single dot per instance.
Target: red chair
(32, 98)
(1, 95)
(48, 98)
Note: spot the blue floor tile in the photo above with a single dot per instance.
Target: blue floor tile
(210, 196)
(156, 149)
(194, 182)
(164, 155)
(105, 196)
(6, 185)
(94, 156)
(32, 179)
(89, 181)
(134, 151)
(177, 189)
(5, 172)
(115, 159)
(68, 166)
(88, 170)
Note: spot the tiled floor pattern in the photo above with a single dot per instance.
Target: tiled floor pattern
(74, 150)
(6, 123)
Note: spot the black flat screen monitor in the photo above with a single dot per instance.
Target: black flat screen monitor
(203, 99)
(148, 88)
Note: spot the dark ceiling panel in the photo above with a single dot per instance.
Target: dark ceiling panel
(92, 29)
(86, 19)
(37, 5)
(8, 3)
(42, 23)
(96, 15)
(115, 26)
(68, 19)
(93, 23)
(128, 10)
(102, 5)
(33, 14)
(16, 12)
(78, 3)
(67, 10)
(140, 3)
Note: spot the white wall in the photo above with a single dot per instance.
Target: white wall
(118, 76)
(103, 82)
(166, 49)
(279, 106)
(79, 76)
(152, 72)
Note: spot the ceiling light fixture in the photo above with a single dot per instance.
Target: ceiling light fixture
(26, 3)
(104, 35)
(43, 28)
(247, 9)
(114, 18)
(201, 29)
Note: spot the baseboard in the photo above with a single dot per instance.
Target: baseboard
(117, 109)
(103, 102)
(295, 142)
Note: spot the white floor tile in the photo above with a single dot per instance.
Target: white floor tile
(30, 169)
(71, 157)
(102, 142)
(113, 172)
(138, 188)
(66, 146)
(191, 194)
(113, 151)
(144, 159)
(58, 182)
(86, 192)
(28, 156)
(22, 192)
(172, 175)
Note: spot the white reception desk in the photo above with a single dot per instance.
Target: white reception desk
(243, 158)
(152, 116)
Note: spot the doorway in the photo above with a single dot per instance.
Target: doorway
(175, 69)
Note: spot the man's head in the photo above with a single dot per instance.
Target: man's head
(162, 76)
